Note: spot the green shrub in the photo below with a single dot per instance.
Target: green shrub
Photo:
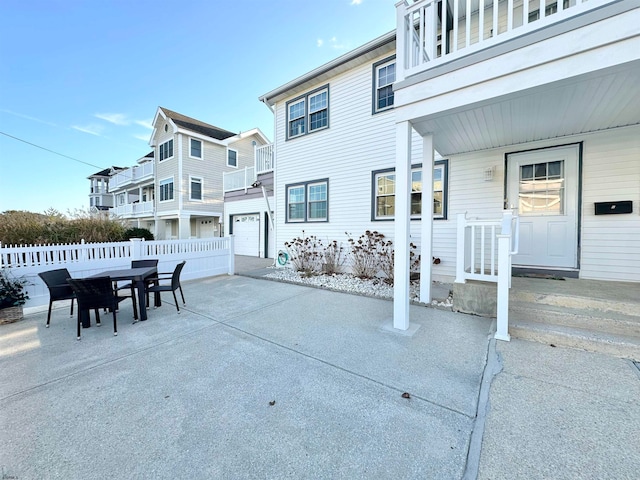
(136, 232)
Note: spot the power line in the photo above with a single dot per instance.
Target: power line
(51, 151)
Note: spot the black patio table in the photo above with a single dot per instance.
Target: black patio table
(136, 276)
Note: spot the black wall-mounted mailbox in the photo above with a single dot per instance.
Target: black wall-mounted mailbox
(609, 208)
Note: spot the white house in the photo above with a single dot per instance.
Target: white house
(509, 104)
(176, 191)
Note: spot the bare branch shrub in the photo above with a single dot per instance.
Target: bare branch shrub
(306, 254)
(333, 258)
(366, 253)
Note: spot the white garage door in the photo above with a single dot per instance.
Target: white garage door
(246, 230)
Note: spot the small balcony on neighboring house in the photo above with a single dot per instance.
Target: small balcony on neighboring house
(251, 181)
(132, 176)
(135, 202)
(479, 74)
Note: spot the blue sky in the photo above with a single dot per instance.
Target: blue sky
(84, 78)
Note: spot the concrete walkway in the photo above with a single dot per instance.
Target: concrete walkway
(260, 379)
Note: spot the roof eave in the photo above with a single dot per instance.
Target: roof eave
(267, 98)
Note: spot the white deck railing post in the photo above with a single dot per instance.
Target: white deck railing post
(504, 276)
(232, 260)
(460, 243)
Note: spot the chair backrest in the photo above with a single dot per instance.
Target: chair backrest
(56, 282)
(149, 262)
(175, 278)
(93, 293)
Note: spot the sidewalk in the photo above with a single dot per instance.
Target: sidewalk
(261, 379)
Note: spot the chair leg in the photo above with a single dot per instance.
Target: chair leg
(49, 314)
(79, 324)
(98, 324)
(71, 313)
(182, 295)
(176, 300)
(115, 324)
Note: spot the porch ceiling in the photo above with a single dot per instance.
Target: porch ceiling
(596, 101)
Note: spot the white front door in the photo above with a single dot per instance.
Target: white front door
(543, 186)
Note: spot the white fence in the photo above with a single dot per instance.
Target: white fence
(204, 257)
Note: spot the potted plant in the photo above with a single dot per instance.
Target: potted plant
(12, 297)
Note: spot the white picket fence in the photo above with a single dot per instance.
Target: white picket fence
(204, 257)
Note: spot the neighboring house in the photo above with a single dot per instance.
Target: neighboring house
(99, 196)
(176, 191)
(542, 115)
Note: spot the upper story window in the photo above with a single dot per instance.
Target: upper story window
(384, 192)
(166, 189)
(195, 148)
(166, 150)
(308, 201)
(232, 158)
(308, 113)
(384, 74)
(195, 188)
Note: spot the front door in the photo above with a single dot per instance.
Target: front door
(543, 186)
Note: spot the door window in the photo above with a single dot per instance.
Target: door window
(541, 190)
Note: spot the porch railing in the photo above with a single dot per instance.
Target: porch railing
(132, 209)
(264, 158)
(470, 26)
(131, 175)
(484, 250)
(205, 258)
(240, 180)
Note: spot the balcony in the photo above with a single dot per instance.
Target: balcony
(134, 209)
(131, 176)
(240, 180)
(264, 159)
(472, 26)
(516, 73)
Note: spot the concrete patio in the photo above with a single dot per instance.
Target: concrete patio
(261, 379)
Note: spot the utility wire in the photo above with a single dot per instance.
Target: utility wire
(51, 151)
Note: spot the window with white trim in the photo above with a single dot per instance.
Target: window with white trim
(308, 202)
(384, 74)
(232, 158)
(195, 148)
(308, 113)
(195, 188)
(166, 190)
(166, 150)
(384, 192)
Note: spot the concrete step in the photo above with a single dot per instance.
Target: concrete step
(623, 346)
(611, 322)
(576, 301)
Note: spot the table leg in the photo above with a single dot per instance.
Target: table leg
(142, 300)
(85, 318)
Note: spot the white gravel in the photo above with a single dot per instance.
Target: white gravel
(348, 283)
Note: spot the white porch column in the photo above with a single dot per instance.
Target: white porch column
(426, 227)
(402, 221)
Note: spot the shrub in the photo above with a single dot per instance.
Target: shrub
(12, 292)
(305, 254)
(367, 253)
(138, 233)
(333, 258)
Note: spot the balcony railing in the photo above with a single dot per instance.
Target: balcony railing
(134, 209)
(131, 175)
(471, 26)
(240, 180)
(264, 158)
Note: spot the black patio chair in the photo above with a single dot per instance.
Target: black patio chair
(94, 294)
(151, 262)
(175, 283)
(59, 289)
